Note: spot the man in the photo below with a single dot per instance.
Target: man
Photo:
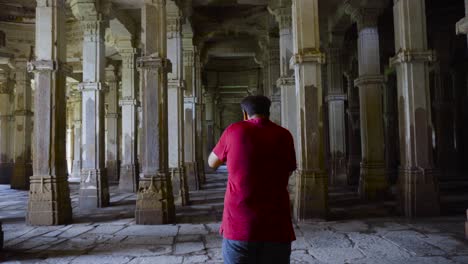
(260, 157)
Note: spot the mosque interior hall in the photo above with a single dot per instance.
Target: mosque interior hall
(109, 110)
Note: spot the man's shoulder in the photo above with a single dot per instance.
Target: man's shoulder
(283, 131)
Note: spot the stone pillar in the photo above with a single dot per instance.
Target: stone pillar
(336, 117)
(155, 203)
(112, 125)
(23, 130)
(462, 25)
(76, 167)
(199, 115)
(373, 183)
(5, 118)
(176, 105)
(271, 71)
(94, 192)
(209, 102)
(69, 136)
(354, 131)
(128, 181)
(462, 28)
(190, 121)
(418, 182)
(49, 195)
(390, 106)
(286, 82)
(311, 180)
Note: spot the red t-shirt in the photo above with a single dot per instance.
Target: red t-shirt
(260, 157)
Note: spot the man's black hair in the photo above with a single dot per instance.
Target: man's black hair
(256, 105)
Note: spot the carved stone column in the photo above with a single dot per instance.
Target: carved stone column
(462, 28)
(462, 25)
(129, 169)
(286, 82)
(199, 115)
(336, 117)
(418, 182)
(176, 105)
(6, 168)
(94, 192)
(209, 102)
(23, 127)
(112, 126)
(271, 71)
(373, 183)
(190, 121)
(354, 131)
(77, 111)
(311, 179)
(155, 203)
(49, 195)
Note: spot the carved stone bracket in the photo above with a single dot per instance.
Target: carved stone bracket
(92, 86)
(46, 65)
(154, 62)
(408, 56)
(112, 115)
(308, 56)
(286, 81)
(176, 84)
(128, 101)
(369, 79)
(336, 97)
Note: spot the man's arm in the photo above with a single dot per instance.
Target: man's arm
(213, 161)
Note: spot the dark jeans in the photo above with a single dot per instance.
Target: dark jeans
(240, 252)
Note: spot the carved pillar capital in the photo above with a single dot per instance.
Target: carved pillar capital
(174, 26)
(283, 16)
(365, 17)
(89, 10)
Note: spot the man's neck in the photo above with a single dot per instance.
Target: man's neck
(257, 116)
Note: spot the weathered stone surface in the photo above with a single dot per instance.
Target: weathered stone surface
(188, 248)
(195, 259)
(413, 242)
(159, 259)
(156, 231)
(187, 229)
(101, 260)
(147, 240)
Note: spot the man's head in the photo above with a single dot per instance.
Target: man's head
(256, 105)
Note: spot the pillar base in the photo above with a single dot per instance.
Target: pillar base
(179, 185)
(155, 203)
(419, 192)
(94, 191)
(373, 183)
(76, 171)
(128, 178)
(112, 170)
(338, 176)
(49, 201)
(6, 171)
(21, 174)
(312, 195)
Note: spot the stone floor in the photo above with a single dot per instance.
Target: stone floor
(111, 236)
